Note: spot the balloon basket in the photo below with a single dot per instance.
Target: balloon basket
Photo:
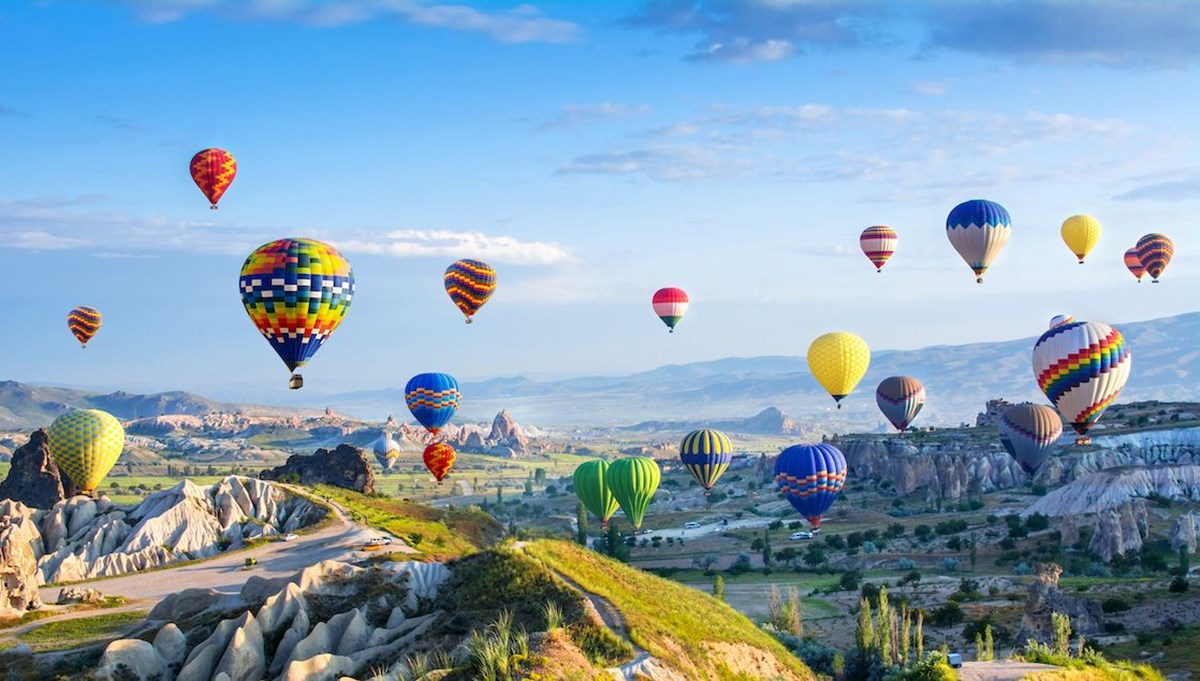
(295, 382)
(213, 207)
(1083, 440)
(469, 320)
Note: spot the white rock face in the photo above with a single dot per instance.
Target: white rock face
(170, 644)
(1184, 533)
(1106, 489)
(325, 667)
(244, 660)
(136, 655)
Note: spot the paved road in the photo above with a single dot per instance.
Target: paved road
(1000, 670)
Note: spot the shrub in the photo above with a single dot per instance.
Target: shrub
(849, 580)
(947, 615)
(741, 564)
(949, 564)
(1037, 522)
(922, 532)
(905, 564)
(1178, 585)
(1022, 569)
(1114, 604)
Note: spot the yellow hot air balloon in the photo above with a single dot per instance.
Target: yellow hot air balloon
(1080, 233)
(85, 443)
(838, 361)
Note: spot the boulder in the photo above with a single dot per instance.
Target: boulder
(78, 594)
(34, 479)
(1119, 530)
(347, 467)
(18, 566)
(1183, 534)
(136, 656)
(279, 610)
(171, 645)
(244, 659)
(184, 604)
(324, 667)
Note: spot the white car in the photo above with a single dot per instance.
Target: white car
(691, 526)
(380, 541)
(291, 537)
(800, 535)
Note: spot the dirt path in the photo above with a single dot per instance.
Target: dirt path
(1000, 670)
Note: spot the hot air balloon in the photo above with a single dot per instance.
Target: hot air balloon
(83, 322)
(297, 292)
(706, 454)
(85, 443)
(439, 459)
(592, 489)
(878, 243)
(1081, 233)
(633, 481)
(386, 451)
(433, 399)
(1082, 367)
(1029, 432)
(670, 304)
(1155, 251)
(1134, 263)
(900, 398)
(1059, 320)
(810, 478)
(470, 283)
(213, 171)
(978, 230)
(838, 361)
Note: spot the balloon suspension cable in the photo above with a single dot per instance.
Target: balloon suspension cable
(878, 270)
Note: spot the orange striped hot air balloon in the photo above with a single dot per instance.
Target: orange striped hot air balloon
(213, 171)
(1155, 251)
(1134, 264)
(84, 322)
(439, 459)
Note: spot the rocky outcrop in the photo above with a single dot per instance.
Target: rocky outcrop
(506, 433)
(78, 594)
(1119, 530)
(18, 565)
(347, 467)
(130, 658)
(1183, 534)
(945, 471)
(1045, 598)
(1096, 492)
(34, 479)
(165, 425)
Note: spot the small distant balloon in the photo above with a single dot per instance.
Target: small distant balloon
(978, 230)
(1081, 233)
(900, 398)
(878, 243)
(592, 489)
(213, 171)
(387, 451)
(469, 283)
(1029, 432)
(439, 459)
(83, 322)
(838, 361)
(670, 304)
(706, 453)
(1059, 320)
(1134, 264)
(85, 443)
(1155, 252)
(633, 482)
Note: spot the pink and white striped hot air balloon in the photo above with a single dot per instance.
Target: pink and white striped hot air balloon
(878, 243)
(670, 304)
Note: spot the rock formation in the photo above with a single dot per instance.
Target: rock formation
(1120, 530)
(1045, 598)
(34, 479)
(1107, 489)
(1183, 534)
(945, 471)
(347, 467)
(18, 565)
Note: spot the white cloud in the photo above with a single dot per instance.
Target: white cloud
(576, 114)
(929, 87)
(412, 243)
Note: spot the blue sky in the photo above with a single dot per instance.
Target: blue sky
(592, 152)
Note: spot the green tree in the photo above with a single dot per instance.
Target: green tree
(719, 588)
(499, 493)
(529, 485)
(1062, 633)
(767, 555)
(972, 544)
(539, 476)
(581, 519)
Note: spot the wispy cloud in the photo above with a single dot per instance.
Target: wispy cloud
(576, 114)
(521, 24)
(1172, 190)
(929, 87)
(410, 243)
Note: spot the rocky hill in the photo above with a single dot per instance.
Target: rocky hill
(1113, 487)
(769, 421)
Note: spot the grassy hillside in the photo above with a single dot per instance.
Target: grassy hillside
(678, 625)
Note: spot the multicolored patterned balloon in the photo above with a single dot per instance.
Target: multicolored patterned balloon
(900, 398)
(838, 361)
(470, 283)
(1029, 432)
(592, 489)
(296, 291)
(1155, 251)
(1059, 319)
(85, 443)
(213, 171)
(1134, 264)
(439, 459)
(1082, 367)
(433, 399)
(386, 450)
(670, 304)
(810, 478)
(978, 230)
(1081, 233)
(706, 454)
(633, 482)
(878, 243)
(83, 322)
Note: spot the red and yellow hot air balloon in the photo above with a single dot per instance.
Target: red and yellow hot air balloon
(83, 322)
(878, 243)
(1134, 263)
(213, 171)
(439, 459)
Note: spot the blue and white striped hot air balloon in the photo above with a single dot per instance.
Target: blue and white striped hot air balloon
(978, 230)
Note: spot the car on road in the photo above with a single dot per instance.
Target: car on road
(800, 535)
(691, 526)
(380, 541)
(291, 536)
(954, 660)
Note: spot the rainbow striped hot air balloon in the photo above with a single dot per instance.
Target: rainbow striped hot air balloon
(469, 283)
(213, 171)
(1134, 264)
(810, 478)
(706, 454)
(1082, 367)
(83, 322)
(1029, 432)
(978, 230)
(900, 398)
(1155, 251)
(432, 398)
(878, 243)
(670, 304)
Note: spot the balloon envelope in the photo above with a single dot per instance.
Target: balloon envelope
(1060, 319)
(85, 443)
(1155, 251)
(592, 489)
(297, 292)
(633, 481)
(838, 361)
(83, 322)
(810, 478)
(670, 304)
(432, 398)
(978, 230)
(1029, 432)
(470, 284)
(1082, 367)
(386, 451)
(213, 171)
(878, 243)
(439, 459)
(1081, 233)
(900, 398)
(1134, 264)
(706, 454)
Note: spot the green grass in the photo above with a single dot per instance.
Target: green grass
(443, 533)
(669, 620)
(1180, 652)
(73, 633)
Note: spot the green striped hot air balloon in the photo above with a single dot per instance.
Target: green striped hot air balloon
(633, 481)
(593, 491)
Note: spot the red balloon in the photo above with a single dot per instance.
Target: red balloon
(213, 171)
(439, 459)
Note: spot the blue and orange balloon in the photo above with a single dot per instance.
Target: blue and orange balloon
(810, 478)
(432, 398)
(469, 283)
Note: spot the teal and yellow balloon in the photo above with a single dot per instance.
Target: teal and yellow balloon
(633, 481)
(85, 443)
(706, 454)
(592, 489)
